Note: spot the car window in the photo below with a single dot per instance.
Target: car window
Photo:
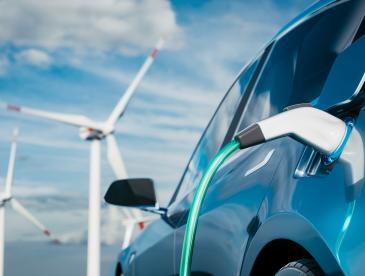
(345, 76)
(298, 65)
(214, 135)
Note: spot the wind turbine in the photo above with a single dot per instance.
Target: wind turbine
(94, 132)
(7, 198)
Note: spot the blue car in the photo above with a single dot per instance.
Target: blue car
(274, 208)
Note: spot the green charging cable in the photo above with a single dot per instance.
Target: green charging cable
(189, 238)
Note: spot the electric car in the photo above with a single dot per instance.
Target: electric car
(276, 208)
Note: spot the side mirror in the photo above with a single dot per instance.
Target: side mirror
(136, 192)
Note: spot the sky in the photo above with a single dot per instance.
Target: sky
(78, 57)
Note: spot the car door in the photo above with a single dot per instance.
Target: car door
(294, 72)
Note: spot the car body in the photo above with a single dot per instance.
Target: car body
(276, 202)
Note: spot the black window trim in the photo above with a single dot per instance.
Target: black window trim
(250, 87)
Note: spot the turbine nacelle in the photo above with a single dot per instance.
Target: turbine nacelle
(90, 133)
(87, 133)
(4, 197)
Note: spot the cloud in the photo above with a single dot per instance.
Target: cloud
(222, 42)
(35, 191)
(127, 26)
(34, 57)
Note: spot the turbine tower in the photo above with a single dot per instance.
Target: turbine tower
(94, 132)
(6, 197)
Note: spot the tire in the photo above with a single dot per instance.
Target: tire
(303, 267)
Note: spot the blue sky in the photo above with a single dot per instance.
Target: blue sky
(79, 56)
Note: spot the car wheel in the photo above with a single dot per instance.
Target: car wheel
(302, 267)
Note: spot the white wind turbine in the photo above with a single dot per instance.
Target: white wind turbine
(94, 132)
(6, 197)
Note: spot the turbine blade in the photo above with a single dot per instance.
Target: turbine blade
(10, 173)
(70, 119)
(15, 204)
(128, 235)
(124, 100)
(130, 224)
(115, 158)
(118, 167)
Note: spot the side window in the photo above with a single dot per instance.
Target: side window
(299, 63)
(214, 134)
(345, 75)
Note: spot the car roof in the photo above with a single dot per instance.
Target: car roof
(314, 9)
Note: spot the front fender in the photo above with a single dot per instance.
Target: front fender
(293, 227)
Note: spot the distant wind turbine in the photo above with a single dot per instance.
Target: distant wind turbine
(6, 197)
(94, 132)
